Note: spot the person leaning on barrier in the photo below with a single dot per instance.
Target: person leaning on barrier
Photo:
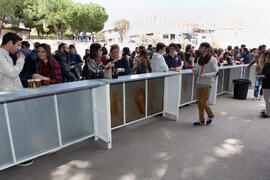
(206, 70)
(142, 63)
(227, 59)
(120, 62)
(158, 63)
(235, 58)
(94, 69)
(48, 66)
(30, 65)
(172, 59)
(9, 73)
(245, 56)
(62, 58)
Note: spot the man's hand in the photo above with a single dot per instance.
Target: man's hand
(172, 69)
(72, 67)
(20, 55)
(194, 70)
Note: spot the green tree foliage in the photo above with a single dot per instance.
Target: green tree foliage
(10, 11)
(54, 16)
(122, 27)
(90, 17)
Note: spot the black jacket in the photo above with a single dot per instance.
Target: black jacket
(122, 63)
(266, 73)
(63, 60)
(29, 67)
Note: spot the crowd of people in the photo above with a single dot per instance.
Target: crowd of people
(18, 63)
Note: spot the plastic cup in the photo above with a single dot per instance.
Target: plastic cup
(38, 83)
(31, 83)
(46, 81)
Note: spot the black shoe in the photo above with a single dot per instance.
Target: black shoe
(209, 120)
(198, 123)
(264, 115)
(26, 163)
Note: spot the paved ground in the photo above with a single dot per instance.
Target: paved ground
(235, 147)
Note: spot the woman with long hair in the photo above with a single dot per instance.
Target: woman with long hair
(264, 62)
(142, 63)
(120, 62)
(235, 57)
(48, 66)
(127, 54)
(226, 59)
(94, 69)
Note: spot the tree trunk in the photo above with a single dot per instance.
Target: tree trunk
(2, 24)
(62, 31)
(17, 27)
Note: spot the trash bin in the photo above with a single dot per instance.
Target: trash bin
(241, 88)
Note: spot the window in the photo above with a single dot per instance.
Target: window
(150, 34)
(165, 36)
(172, 36)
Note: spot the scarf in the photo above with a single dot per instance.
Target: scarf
(204, 60)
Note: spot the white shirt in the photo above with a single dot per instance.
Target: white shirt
(158, 63)
(9, 74)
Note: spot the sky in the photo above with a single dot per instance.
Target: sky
(198, 11)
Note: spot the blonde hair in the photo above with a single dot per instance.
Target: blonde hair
(264, 58)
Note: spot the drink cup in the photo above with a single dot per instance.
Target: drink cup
(46, 81)
(38, 83)
(31, 83)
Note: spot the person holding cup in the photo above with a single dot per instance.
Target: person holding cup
(120, 62)
(48, 68)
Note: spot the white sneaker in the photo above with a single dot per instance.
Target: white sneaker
(260, 98)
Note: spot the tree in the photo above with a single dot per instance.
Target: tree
(214, 43)
(35, 15)
(122, 27)
(59, 15)
(8, 11)
(53, 16)
(87, 18)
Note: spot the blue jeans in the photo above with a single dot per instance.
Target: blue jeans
(258, 83)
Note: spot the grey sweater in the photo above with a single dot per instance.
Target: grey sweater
(209, 70)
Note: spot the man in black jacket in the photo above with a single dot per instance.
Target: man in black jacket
(30, 66)
(62, 58)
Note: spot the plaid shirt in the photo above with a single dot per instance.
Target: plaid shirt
(45, 71)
